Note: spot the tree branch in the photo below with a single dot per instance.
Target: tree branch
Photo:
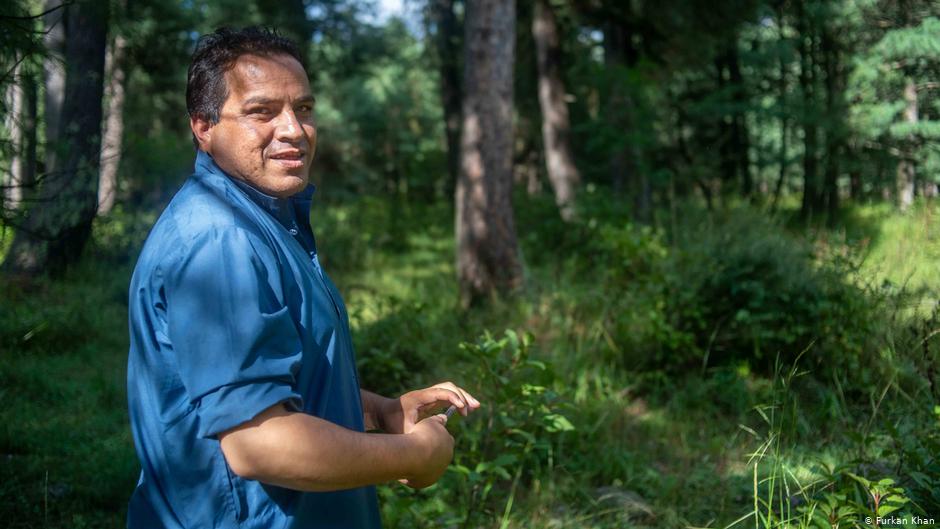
(40, 15)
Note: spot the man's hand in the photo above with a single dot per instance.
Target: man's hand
(403, 414)
(436, 443)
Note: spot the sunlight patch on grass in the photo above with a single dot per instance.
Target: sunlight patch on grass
(905, 249)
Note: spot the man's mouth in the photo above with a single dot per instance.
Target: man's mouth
(289, 159)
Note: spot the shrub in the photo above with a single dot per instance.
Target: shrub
(714, 290)
(747, 291)
(393, 351)
(512, 438)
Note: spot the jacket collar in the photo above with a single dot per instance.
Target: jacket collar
(282, 209)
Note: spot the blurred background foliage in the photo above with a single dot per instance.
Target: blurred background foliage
(738, 327)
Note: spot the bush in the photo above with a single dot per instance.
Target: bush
(510, 440)
(718, 290)
(393, 351)
(747, 292)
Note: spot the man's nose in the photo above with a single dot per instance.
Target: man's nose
(288, 127)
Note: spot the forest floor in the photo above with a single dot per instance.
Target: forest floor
(760, 439)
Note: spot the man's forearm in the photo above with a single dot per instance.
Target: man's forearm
(374, 407)
(303, 452)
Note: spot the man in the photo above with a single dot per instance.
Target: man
(244, 398)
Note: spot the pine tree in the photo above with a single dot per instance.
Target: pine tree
(893, 79)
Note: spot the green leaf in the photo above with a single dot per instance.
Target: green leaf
(524, 434)
(558, 423)
(536, 364)
(864, 482)
(492, 468)
(505, 460)
(529, 389)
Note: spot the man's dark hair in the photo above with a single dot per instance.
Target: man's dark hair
(216, 54)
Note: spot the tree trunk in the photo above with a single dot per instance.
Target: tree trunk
(784, 125)
(447, 41)
(733, 143)
(683, 149)
(810, 204)
(619, 54)
(54, 78)
(620, 165)
(58, 225)
(13, 183)
(21, 125)
(726, 123)
(855, 184)
(906, 171)
(927, 190)
(835, 113)
(562, 171)
(30, 110)
(740, 141)
(114, 124)
(487, 250)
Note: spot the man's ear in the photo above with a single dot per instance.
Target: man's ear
(202, 130)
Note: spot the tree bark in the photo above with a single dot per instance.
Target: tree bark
(114, 124)
(30, 110)
(562, 171)
(447, 42)
(13, 183)
(487, 249)
(906, 172)
(54, 78)
(20, 120)
(58, 225)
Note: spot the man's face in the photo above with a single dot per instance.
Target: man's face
(266, 134)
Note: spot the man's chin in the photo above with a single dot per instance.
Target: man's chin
(290, 184)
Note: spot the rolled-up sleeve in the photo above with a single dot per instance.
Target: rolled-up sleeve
(236, 346)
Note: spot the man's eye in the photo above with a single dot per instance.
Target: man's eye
(306, 109)
(261, 111)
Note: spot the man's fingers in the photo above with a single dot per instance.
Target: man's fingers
(464, 410)
(472, 403)
(453, 387)
(442, 395)
(456, 391)
(464, 396)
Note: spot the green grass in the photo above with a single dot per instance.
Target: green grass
(903, 249)
(661, 446)
(67, 452)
